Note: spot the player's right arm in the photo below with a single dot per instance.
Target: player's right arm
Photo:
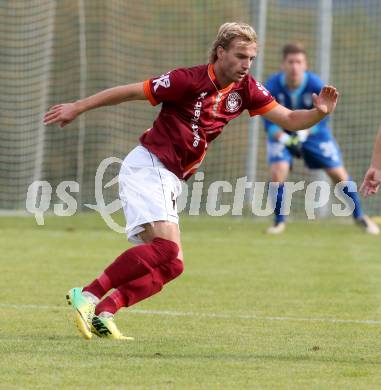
(65, 113)
(372, 179)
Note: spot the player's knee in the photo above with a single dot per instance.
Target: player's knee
(157, 285)
(166, 249)
(176, 268)
(169, 271)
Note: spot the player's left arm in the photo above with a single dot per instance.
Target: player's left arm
(324, 104)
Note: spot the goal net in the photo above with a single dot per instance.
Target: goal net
(60, 51)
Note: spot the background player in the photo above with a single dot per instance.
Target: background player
(197, 103)
(294, 88)
(372, 179)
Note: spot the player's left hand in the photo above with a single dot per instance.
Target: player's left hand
(371, 183)
(326, 101)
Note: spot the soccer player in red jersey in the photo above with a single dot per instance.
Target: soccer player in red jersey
(372, 179)
(197, 103)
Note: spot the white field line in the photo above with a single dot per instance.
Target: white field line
(232, 316)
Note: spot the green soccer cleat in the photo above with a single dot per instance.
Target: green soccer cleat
(104, 326)
(84, 311)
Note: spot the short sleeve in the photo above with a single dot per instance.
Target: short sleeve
(170, 86)
(260, 99)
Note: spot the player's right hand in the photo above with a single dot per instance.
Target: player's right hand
(371, 183)
(62, 114)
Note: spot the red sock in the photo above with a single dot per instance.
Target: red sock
(100, 286)
(136, 290)
(148, 285)
(111, 303)
(133, 264)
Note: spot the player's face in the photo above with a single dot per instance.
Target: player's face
(294, 66)
(235, 62)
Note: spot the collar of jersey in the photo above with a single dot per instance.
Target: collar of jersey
(297, 91)
(214, 80)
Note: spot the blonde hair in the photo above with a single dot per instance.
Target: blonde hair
(227, 32)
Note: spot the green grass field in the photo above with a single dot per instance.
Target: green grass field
(251, 311)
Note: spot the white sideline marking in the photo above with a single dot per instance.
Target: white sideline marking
(252, 317)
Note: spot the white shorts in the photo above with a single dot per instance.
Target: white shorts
(148, 191)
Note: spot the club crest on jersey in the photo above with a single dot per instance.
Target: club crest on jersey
(233, 102)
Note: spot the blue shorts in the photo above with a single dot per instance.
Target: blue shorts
(317, 153)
